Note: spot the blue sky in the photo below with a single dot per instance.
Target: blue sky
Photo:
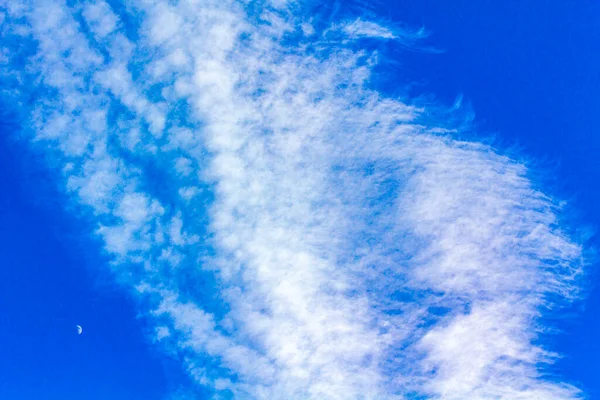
(54, 278)
(230, 213)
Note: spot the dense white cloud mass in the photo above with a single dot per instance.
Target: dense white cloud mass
(297, 234)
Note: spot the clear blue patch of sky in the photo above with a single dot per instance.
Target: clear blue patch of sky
(52, 278)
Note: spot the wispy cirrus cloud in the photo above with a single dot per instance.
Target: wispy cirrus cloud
(297, 234)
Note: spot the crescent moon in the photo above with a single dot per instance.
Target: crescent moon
(79, 329)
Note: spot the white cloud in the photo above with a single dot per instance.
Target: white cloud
(362, 29)
(356, 251)
(100, 18)
(183, 166)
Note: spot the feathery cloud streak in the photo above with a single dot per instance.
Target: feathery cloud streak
(296, 234)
